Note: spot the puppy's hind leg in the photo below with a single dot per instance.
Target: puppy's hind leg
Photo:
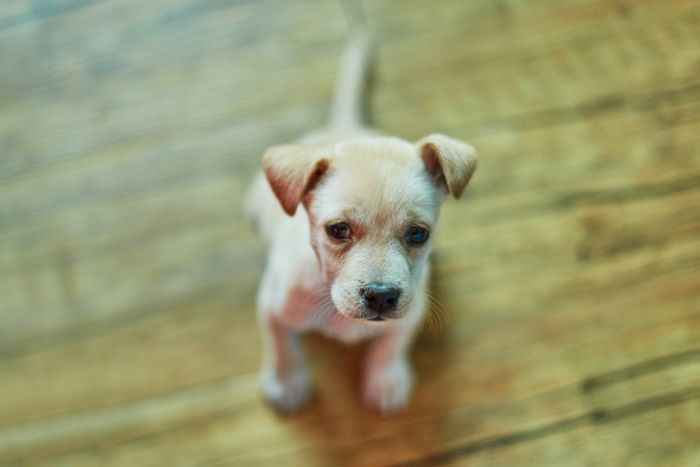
(284, 376)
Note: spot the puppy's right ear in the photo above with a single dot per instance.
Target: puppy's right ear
(451, 163)
(293, 170)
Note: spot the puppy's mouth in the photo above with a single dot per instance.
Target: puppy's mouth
(374, 317)
(367, 316)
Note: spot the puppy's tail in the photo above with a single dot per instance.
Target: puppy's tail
(346, 111)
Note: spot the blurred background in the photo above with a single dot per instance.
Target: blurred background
(568, 278)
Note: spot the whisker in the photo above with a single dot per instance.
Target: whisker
(436, 312)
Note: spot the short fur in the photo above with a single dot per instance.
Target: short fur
(379, 186)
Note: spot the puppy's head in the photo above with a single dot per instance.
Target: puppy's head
(372, 205)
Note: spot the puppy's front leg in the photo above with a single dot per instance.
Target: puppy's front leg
(388, 374)
(284, 376)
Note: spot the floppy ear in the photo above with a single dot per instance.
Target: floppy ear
(450, 163)
(292, 171)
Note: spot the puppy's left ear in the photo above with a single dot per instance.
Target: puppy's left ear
(293, 170)
(450, 163)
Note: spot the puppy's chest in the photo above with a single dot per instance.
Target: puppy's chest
(313, 310)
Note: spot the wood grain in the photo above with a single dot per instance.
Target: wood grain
(568, 325)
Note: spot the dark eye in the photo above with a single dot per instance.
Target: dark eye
(339, 231)
(417, 235)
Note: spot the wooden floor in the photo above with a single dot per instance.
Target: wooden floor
(569, 277)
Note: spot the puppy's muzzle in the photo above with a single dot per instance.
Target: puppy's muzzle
(382, 299)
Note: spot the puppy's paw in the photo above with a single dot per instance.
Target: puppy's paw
(389, 389)
(288, 393)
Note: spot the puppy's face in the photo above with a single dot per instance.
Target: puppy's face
(371, 218)
(373, 204)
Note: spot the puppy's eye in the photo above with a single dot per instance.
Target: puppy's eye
(339, 231)
(417, 235)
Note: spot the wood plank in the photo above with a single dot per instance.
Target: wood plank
(566, 329)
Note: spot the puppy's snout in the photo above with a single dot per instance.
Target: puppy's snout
(380, 297)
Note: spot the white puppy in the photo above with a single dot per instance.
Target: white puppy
(348, 215)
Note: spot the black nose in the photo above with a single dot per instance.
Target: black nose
(380, 297)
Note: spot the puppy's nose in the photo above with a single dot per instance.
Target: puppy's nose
(380, 297)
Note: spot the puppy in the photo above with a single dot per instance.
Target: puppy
(348, 215)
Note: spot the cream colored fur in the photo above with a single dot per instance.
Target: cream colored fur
(380, 186)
